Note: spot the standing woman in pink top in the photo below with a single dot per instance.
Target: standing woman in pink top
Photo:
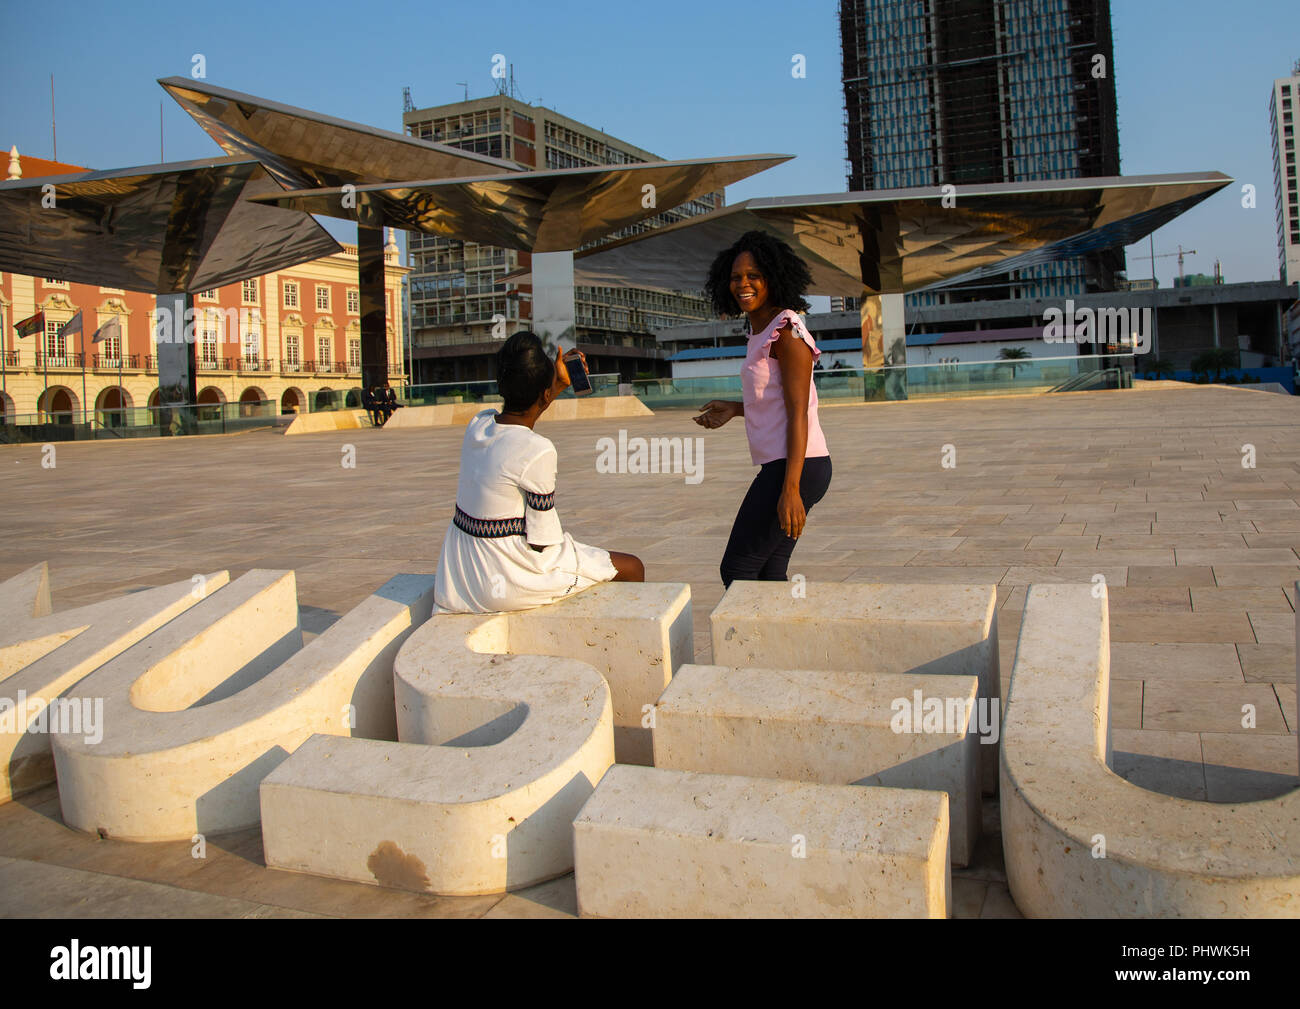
(762, 277)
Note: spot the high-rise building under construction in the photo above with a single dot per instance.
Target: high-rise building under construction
(953, 92)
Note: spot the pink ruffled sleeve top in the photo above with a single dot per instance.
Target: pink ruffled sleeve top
(765, 419)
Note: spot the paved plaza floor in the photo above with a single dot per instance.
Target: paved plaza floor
(1144, 487)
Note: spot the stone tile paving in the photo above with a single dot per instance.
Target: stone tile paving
(1145, 488)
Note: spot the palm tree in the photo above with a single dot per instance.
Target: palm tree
(1159, 368)
(1214, 360)
(1014, 354)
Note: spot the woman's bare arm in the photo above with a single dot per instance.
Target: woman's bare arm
(795, 359)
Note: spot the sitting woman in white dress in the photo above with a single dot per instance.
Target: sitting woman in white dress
(505, 549)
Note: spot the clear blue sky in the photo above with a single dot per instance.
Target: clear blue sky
(680, 79)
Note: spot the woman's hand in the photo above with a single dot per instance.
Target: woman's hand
(717, 412)
(562, 380)
(790, 512)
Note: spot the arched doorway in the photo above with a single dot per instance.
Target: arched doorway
(353, 401)
(209, 403)
(7, 413)
(324, 398)
(249, 401)
(58, 405)
(293, 400)
(111, 407)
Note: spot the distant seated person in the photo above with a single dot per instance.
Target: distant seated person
(377, 405)
(504, 549)
(390, 403)
(371, 406)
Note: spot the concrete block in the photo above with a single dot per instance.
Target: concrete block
(201, 710)
(679, 844)
(590, 407)
(43, 654)
(636, 635)
(515, 744)
(1080, 841)
(329, 420)
(835, 728)
(876, 628)
(441, 415)
(460, 414)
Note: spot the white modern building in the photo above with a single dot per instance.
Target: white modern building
(1282, 109)
(717, 349)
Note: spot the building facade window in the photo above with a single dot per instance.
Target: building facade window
(354, 302)
(322, 298)
(292, 360)
(208, 347)
(290, 294)
(111, 345)
(354, 353)
(322, 351)
(248, 292)
(56, 345)
(252, 346)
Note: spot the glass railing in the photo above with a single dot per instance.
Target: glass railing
(920, 381)
(989, 378)
(139, 422)
(484, 391)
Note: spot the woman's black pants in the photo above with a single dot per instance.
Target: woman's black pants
(758, 549)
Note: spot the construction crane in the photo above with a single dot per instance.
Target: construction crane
(1165, 255)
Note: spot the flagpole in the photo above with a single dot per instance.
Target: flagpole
(83, 373)
(121, 392)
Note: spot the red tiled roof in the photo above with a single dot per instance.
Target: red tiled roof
(35, 168)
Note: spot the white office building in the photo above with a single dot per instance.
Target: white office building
(1282, 109)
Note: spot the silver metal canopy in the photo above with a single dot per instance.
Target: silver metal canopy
(186, 226)
(305, 150)
(547, 211)
(892, 241)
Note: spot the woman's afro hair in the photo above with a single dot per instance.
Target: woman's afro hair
(786, 274)
(524, 371)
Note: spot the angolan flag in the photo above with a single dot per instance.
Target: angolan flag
(30, 325)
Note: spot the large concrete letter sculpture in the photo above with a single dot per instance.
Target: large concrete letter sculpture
(834, 728)
(42, 654)
(513, 743)
(668, 844)
(203, 709)
(1079, 840)
(929, 629)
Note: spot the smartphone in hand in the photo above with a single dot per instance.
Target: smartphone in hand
(578, 378)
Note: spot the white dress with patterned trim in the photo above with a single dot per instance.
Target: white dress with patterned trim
(506, 494)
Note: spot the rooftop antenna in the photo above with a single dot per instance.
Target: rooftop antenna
(465, 85)
(407, 104)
